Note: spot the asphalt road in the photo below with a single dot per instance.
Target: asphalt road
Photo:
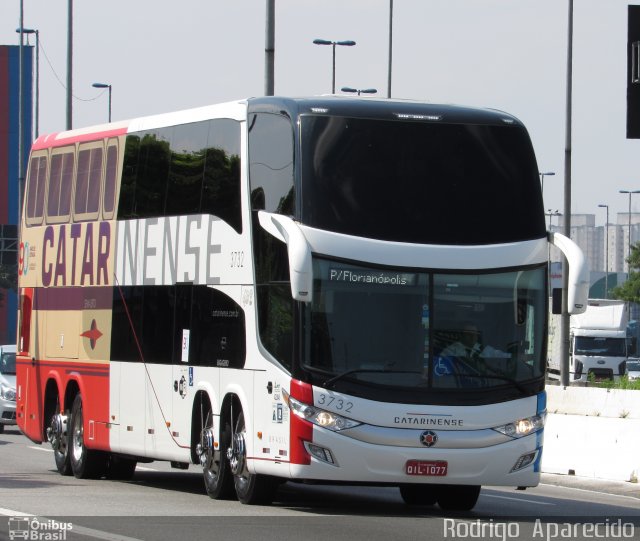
(164, 504)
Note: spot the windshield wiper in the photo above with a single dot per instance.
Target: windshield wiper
(332, 380)
(501, 377)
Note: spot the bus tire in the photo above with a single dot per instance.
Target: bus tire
(216, 471)
(458, 497)
(1, 429)
(419, 494)
(120, 468)
(61, 454)
(85, 463)
(251, 488)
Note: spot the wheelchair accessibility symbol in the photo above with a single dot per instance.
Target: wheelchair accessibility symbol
(442, 366)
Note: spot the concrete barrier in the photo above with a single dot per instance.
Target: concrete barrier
(592, 432)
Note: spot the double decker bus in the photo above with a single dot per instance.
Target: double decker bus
(272, 289)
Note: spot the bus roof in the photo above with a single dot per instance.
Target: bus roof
(382, 108)
(330, 104)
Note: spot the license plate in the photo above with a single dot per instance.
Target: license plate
(430, 468)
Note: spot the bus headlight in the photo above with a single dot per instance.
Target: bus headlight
(317, 416)
(522, 427)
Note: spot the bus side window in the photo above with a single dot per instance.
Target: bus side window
(36, 181)
(88, 182)
(271, 161)
(217, 326)
(221, 187)
(110, 179)
(60, 183)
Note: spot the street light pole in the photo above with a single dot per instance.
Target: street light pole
(37, 33)
(390, 48)
(564, 318)
(20, 119)
(542, 175)
(550, 214)
(629, 236)
(346, 43)
(269, 49)
(69, 64)
(606, 256)
(105, 85)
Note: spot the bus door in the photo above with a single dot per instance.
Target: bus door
(182, 384)
(29, 407)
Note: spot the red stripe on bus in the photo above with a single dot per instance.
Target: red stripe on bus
(54, 140)
(300, 430)
(37, 376)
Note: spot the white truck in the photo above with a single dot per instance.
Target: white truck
(598, 342)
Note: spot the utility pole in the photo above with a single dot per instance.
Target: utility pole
(564, 318)
(69, 64)
(269, 48)
(20, 115)
(390, 47)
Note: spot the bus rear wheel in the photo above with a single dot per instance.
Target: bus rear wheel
(120, 468)
(458, 497)
(85, 463)
(215, 464)
(57, 434)
(251, 488)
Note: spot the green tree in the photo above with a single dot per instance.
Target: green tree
(630, 290)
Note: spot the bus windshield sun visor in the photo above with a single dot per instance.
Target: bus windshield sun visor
(300, 264)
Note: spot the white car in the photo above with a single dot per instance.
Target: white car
(7, 386)
(633, 369)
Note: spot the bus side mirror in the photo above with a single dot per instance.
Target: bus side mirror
(298, 249)
(578, 293)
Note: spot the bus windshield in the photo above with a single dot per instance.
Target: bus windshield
(402, 328)
(421, 182)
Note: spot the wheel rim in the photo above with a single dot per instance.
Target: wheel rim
(209, 457)
(57, 433)
(238, 458)
(78, 436)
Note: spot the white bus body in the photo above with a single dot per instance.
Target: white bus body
(268, 288)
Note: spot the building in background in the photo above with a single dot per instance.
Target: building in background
(9, 170)
(592, 240)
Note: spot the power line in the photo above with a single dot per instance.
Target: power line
(60, 80)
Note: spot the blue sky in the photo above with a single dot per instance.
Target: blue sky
(503, 54)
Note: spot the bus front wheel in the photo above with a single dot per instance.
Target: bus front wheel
(251, 488)
(458, 497)
(419, 494)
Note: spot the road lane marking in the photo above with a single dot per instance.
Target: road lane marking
(46, 449)
(516, 499)
(591, 491)
(11, 513)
